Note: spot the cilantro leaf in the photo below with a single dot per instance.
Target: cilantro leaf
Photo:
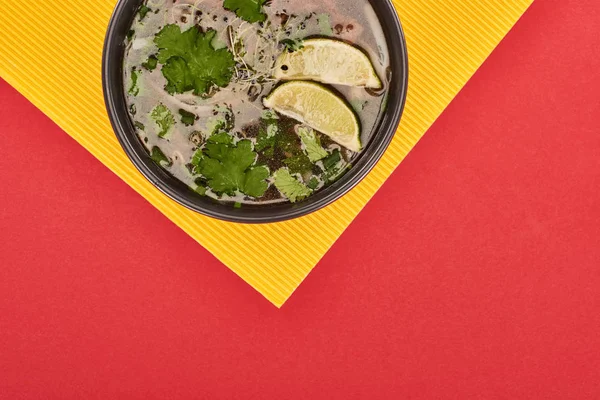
(139, 125)
(163, 118)
(198, 156)
(190, 62)
(312, 144)
(331, 161)
(187, 118)
(201, 190)
(292, 45)
(200, 187)
(229, 167)
(223, 120)
(144, 10)
(290, 187)
(216, 125)
(151, 63)
(313, 183)
(178, 75)
(221, 138)
(268, 134)
(267, 137)
(159, 157)
(134, 89)
(298, 164)
(269, 116)
(325, 24)
(255, 183)
(334, 166)
(263, 141)
(248, 10)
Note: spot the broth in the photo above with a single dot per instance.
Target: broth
(183, 130)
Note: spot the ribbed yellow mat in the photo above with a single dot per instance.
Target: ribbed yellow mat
(51, 52)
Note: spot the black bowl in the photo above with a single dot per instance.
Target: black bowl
(114, 96)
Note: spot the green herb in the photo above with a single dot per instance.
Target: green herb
(130, 34)
(292, 45)
(237, 205)
(133, 109)
(144, 10)
(198, 156)
(227, 120)
(267, 134)
(264, 141)
(248, 10)
(269, 116)
(187, 118)
(221, 138)
(151, 63)
(336, 173)
(298, 164)
(216, 125)
(313, 183)
(312, 144)
(334, 166)
(269, 152)
(289, 186)
(217, 43)
(159, 157)
(325, 24)
(201, 190)
(139, 125)
(190, 62)
(201, 186)
(163, 118)
(272, 129)
(229, 167)
(134, 89)
(331, 161)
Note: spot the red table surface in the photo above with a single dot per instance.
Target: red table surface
(474, 273)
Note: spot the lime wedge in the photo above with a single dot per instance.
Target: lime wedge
(328, 61)
(320, 109)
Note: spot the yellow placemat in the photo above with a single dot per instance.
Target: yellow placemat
(51, 52)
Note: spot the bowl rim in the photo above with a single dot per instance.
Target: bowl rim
(379, 141)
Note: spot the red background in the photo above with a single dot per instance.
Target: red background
(474, 273)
